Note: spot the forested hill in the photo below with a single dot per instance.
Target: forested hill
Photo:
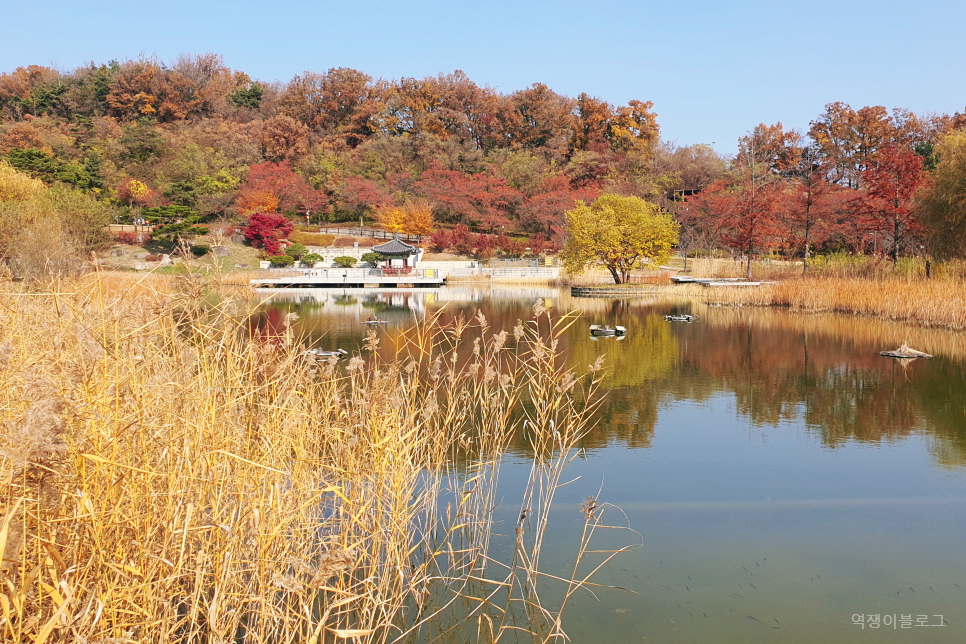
(209, 141)
(192, 131)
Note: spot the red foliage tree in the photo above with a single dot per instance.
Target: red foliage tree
(744, 211)
(540, 245)
(462, 240)
(510, 246)
(481, 199)
(811, 203)
(266, 230)
(544, 211)
(484, 246)
(357, 195)
(893, 176)
(288, 190)
(440, 240)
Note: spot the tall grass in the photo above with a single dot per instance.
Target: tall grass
(836, 265)
(940, 303)
(170, 478)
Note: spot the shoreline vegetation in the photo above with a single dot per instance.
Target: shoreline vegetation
(171, 474)
(855, 286)
(849, 285)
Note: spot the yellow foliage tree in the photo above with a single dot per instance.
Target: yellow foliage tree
(634, 127)
(391, 218)
(419, 217)
(16, 186)
(412, 218)
(618, 233)
(942, 204)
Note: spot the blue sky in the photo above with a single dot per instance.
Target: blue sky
(714, 70)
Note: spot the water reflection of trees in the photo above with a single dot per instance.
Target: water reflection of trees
(822, 370)
(632, 367)
(827, 371)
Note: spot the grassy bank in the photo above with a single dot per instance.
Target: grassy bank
(938, 303)
(168, 477)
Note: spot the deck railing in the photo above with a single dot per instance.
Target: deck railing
(374, 233)
(345, 274)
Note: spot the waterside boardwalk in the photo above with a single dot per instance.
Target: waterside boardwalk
(349, 278)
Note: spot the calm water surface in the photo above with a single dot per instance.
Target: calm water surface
(784, 476)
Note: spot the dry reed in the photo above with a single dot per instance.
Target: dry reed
(168, 478)
(940, 303)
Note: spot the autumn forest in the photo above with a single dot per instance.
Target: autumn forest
(195, 141)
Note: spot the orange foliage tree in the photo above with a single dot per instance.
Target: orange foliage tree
(274, 186)
(412, 218)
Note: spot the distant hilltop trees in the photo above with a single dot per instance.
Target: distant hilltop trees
(340, 145)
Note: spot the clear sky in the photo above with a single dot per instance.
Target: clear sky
(713, 69)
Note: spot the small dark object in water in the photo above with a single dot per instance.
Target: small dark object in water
(904, 352)
(680, 318)
(375, 321)
(607, 330)
(318, 353)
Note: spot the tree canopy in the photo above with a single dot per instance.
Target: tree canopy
(618, 233)
(943, 207)
(487, 168)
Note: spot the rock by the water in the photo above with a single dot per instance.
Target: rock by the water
(904, 352)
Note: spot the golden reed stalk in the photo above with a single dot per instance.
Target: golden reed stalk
(169, 476)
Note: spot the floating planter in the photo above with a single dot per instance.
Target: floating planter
(607, 330)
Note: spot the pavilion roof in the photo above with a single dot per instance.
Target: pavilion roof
(395, 247)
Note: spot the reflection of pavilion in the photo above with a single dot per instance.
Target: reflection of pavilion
(359, 301)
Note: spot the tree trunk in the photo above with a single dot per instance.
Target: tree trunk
(805, 258)
(895, 245)
(614, 274)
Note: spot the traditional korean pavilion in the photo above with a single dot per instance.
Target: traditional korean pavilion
(398, 253)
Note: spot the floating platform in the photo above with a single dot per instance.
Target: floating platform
(716, 281)
(611, 291)
(349, 278)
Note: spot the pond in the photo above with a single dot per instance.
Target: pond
(789, 483)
